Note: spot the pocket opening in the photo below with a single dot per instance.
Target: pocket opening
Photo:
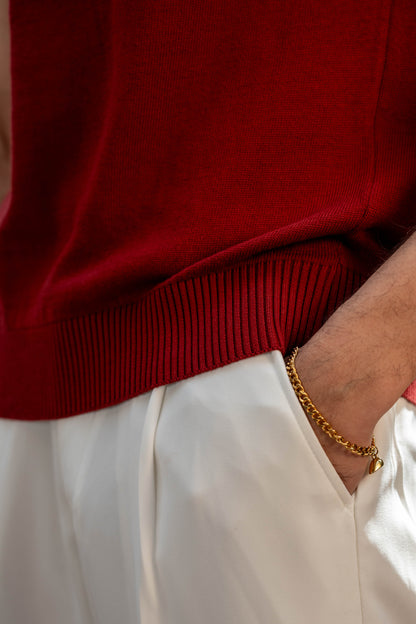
(308, 433)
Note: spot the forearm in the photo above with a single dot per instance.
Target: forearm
(364, 357)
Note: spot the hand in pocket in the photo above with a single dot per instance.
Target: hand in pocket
(350, 467)
(336, 408)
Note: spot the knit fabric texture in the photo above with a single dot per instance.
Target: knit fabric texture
(194, 183)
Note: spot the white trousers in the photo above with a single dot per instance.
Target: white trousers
(206, 501)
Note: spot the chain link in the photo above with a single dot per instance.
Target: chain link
(312, 411)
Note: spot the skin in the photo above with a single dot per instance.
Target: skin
(361, 360)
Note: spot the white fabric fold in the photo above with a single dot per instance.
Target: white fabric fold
(209, 500)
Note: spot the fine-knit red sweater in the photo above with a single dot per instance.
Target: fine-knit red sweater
(194, 183)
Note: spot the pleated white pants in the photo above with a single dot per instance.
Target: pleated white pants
(206, 501)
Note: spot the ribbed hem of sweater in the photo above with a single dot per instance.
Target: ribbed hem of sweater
(89, 362)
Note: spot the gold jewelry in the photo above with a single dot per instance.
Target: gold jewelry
(314, 413)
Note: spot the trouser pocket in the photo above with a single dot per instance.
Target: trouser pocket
(317, 453)
(251, 525)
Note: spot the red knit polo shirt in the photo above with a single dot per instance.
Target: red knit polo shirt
(193, 183)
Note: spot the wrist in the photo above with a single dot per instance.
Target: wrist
(336, 393)
(338, 448)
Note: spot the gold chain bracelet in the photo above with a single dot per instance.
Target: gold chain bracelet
(314, 413)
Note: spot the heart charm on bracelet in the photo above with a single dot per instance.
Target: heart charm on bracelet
(375, 464)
